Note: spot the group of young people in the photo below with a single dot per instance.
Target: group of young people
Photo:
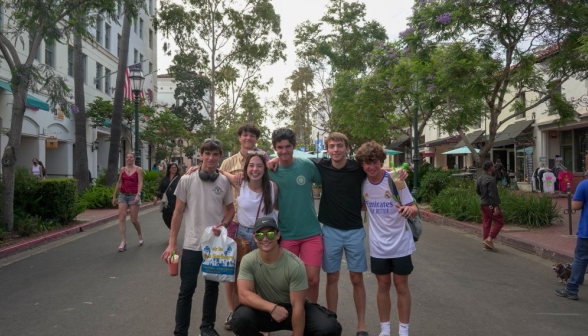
(278, 282)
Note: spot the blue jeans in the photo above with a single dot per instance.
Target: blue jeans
(579, 266)
(189, 268)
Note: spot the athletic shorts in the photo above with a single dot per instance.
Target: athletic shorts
(309, 250)
(398, 266)
(128, 199)
(352, 242)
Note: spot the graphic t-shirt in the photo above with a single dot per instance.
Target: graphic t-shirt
(390, 234)
(548, 182)
(274, 282)
(205, 201)
(297, 216)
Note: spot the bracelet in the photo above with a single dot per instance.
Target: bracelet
(271, 311)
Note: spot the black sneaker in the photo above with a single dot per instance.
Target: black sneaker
(228, 321)
(564, 293)
(208, 332)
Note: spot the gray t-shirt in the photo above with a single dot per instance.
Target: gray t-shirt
(274, 282)
(205, 201)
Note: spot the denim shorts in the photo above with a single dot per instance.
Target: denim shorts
(128, 199)
(247, 233)
(352, 242)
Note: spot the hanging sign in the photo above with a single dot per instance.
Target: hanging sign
(51, 142)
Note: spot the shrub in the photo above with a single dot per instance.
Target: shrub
(25, 224)
(26, 188)
(529, 210)
(101, 179)
(98, 197)
(457, 203)
(432, 183)
(150, 175)
(58, 200)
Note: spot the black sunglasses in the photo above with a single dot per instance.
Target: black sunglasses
(271, 235)
(215, 141)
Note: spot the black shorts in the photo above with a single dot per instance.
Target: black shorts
(399, 266)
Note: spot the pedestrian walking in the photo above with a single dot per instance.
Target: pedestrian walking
(130, 184)
(492, 217)
(167, 188)
(202, 199)
(297, 219)
(37, 169)
(580, 201)
(391, 240)
(272, 291)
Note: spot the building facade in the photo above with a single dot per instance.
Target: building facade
(50, 136)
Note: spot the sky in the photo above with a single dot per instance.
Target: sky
(392, 14)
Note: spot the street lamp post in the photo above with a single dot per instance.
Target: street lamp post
(137, 79)
(415, 157)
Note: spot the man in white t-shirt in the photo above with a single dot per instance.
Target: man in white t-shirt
(203, 199)
(391, 241)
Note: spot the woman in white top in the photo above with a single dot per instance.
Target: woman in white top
(257, 198)
(37, 169)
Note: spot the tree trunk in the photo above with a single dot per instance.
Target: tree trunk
(116, 128)
(81, 149)
(11, 154)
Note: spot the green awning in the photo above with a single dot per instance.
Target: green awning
(31, 101)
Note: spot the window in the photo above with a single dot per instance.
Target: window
(2, 15)
(84, 67)
(50, 54)
(150, 7)
(150, 67)
(141, 29)
(120, 10)
(107, 37)
(522, 100)
(98, 76)
(38, 54)
(70, 61)
(136, 26)
(141, 61)
(135, 57)
(107, 82)
(150, 39)
(118, 45)
(99, 31)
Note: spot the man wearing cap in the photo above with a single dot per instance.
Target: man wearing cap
(272, 287)
(202, 200)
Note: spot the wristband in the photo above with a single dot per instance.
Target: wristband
(271, 311)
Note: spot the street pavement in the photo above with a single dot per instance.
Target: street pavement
(82, 285)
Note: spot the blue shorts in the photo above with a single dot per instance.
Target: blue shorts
(128, 199)
(352, 242)
(247, 233)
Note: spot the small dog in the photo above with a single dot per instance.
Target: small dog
(562, 271)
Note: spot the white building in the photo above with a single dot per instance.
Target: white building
(100, 63)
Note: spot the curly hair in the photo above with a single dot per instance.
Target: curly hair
(370, 151)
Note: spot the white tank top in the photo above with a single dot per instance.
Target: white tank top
(37, 171)
(248, 201)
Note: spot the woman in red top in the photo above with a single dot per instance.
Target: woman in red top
(130, 183)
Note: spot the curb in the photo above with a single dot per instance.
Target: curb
(38, 241)
(503, 238)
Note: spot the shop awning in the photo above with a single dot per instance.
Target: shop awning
(397, 143)
(472, 137)
(509, 134)
(31, 101)
(444, 141)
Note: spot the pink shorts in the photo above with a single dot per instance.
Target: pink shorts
(309, 250)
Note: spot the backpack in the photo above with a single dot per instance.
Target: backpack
(415, 222)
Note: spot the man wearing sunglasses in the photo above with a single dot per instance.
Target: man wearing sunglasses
(203, 199)
(272, 290)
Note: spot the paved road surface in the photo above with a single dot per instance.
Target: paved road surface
(83, 286)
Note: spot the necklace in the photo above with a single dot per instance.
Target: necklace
(129, 170)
